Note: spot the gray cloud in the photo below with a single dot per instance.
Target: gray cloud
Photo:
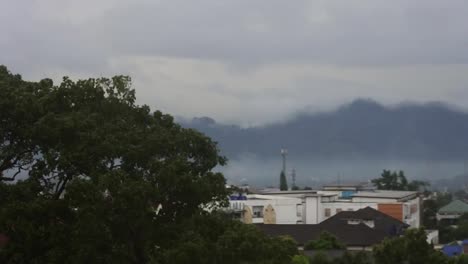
(247, 61)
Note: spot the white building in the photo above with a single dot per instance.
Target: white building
(267, 209)
(313, 207)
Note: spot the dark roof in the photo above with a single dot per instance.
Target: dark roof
(350, 235)
(382, 221)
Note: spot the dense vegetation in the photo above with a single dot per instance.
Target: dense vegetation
(89, 176)
(397, 181)
(326, 241)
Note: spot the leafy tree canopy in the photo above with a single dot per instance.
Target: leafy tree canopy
(325, 241)
(283, 182)
(397, 181)
(86, 175)
(411, 248)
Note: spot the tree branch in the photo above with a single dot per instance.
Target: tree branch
(12, 178)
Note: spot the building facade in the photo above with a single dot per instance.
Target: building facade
(315, 206)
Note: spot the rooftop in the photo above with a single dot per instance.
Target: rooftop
(456, 206)
(382, 221)
(297, 194)
(267, 197)
(386, 194)
(358, 185)
(288, 192)
(350, 235)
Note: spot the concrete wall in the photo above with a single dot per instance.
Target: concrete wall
(279, 211)
(412, 212)
(312, 209)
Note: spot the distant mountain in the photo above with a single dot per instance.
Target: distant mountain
(363, 129)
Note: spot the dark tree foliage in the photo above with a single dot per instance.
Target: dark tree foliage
(325, 241)
(88, 176)
(411, 248)
(397, 181)
(429, 212)
(283, 182)
(215, 239)
(361, 257)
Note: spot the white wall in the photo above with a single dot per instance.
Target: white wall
(285, 209)
(312, 208)
(412, 219)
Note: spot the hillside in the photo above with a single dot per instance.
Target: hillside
(363, 129)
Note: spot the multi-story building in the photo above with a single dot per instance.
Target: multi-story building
(267, 209)
(315, 206)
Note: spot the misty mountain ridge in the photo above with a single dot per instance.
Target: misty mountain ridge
(363, 129)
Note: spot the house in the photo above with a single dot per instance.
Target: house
(359, 230)
(371, 217)
(319, 205)
(354, 237)
(452, 211)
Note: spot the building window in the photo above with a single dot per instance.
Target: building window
(338, 210)
(327, 212)
(257, 211)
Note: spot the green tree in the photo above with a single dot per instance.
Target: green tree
(103, 180)
(429, 213)
(326, 241)
(462, 259)
(443, 199)
(216, 239)
(320, 258)
(283, 182)
(94, 158)
(412, 248)
(397, 181)
(300, 259)
(360, 257)
(19, 110)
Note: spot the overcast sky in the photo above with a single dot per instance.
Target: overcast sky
(247, 61)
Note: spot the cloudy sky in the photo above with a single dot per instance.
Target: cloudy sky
(247, 61)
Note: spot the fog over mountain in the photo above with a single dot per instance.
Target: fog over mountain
(354, 142)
